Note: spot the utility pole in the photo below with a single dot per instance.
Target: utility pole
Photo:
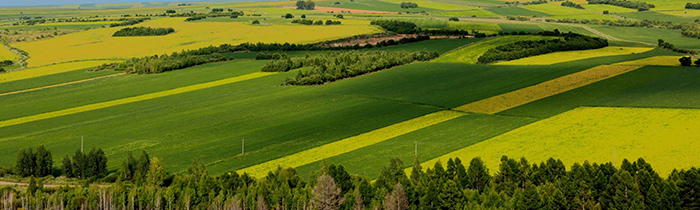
(416, 149)
(82, 140)
(614, 157)
(242, 146)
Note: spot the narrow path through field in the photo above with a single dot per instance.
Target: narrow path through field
(106, 104)
(59, 85)
(552, 87)
(352, 143)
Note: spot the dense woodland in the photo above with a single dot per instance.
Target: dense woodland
(144, 183)
(339, 65)
(144, 31)
(522, 49)
(638, 5)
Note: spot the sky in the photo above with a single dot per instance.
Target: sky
(60, 2)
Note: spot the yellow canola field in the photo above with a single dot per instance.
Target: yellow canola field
(98, 43)
(50, 69)
(6, 54)
(351, 143)
(666, 138)
(529, 94)
(560, 57)
(96, 106)
(654, 61)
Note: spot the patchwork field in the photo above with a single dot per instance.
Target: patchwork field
(628, 100)
(663, 137)
(82, 45)
(471, 53)
(560, 57)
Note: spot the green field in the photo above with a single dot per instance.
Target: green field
(205, 111)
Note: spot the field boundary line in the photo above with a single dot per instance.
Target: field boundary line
(351, 143)
(101, 105)
(545, 89)
(61, 84)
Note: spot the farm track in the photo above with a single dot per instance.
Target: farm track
(106, 104)
(59, 85)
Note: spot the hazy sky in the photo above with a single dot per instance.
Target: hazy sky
(58, 2)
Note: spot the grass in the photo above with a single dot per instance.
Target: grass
(102, 105)
(468, 26)
(467, 13)
(350, 144)
(655, 61)
(49, 70)
(663, 137)
(649, 35)
(555, 9)
(435, 5)
(667, 4)
(518, 11)
(519, 97)
(52, 79)
(6, 54)
(652, 15)
(585, 16)
(433, 141)
(559, 57)
(471, 53)
(687, 13)
(599, 8)
(594, 93)
(373, 5)
(513, 27)
(82, 45)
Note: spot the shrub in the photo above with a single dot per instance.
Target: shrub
(256, 22)
(454, 19)
(143, 31)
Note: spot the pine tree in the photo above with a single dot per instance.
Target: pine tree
(156, 172)
(626, 192)
(396, 200)
(67, 167)
(478, 176)
(416, 172)
(326, 194)
(44, 162)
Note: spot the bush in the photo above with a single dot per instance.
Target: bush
(305, 22)
(306, 5)
(129, 22)
(195, 18)
(606, 12)
(571, 4)
(408, 5)
(6, 63)
(170, 11)
(256, 22)
(143, 31)
(454, 19)
(692, 5)
(686, 61)
(339, 16)
(331, 22)
(288, 16)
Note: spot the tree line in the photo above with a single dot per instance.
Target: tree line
(405, 27)
(188, 58)
(667, 45)
(527, 2)
(522, 49)
(130, 21)
(143, 31)
(339, 65)
(688, 29)
(5, 63)
(305, 5)
(144, 183)
(638, 5)
(408, 5)
(317, 22)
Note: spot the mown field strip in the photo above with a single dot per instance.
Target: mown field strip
(666, 138)
(351, 143)
(526, 95)
(50, 69)
(59, 85)
(106, 104)
(566, 56)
